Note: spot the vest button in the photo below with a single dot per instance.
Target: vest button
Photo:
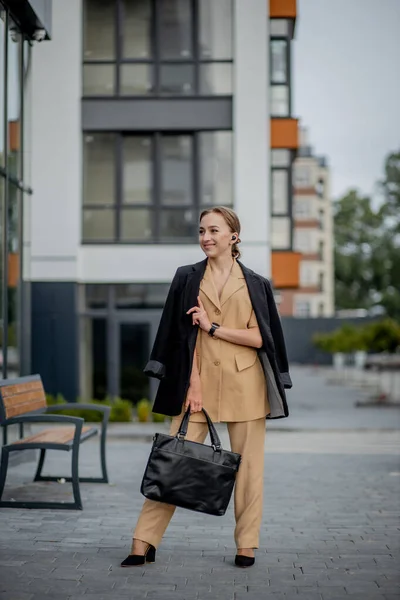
(217, 363)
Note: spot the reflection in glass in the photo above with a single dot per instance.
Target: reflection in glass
(279, 27)
(280, 100)
(96, 295)
(136, 29)
(215, 35)
(215, 78)
(133, 355)
(136, 80)
(280, 157)
(280, 192)
(13, 280)
(177, 79)
(136, 225)
(99, 168)
(279, 61)
(2, 186)
(93, 348)
(98, 224)
(98, 80)
(137, 173)
(141, 295)
(177, 225)
(2, 91)
(216, 168)
(280, 233)
(175, 29)
(99, 30)
(176, 169)
(14, 105)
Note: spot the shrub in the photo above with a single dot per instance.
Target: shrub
(347, 339)
(157, 418)
(143, 409)
(382, 336)
(121, 411)
(379, 336)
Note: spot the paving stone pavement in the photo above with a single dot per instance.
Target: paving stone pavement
(330, 528)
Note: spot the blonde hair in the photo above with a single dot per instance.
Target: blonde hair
(231, 219)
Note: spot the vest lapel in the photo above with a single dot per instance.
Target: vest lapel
(234, 283)
(208, 288)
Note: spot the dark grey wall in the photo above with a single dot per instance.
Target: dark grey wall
(55, 337)
(156, 114)
(299, 333)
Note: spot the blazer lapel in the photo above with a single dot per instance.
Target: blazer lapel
(193, 285)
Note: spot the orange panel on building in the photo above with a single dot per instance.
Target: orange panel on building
(14, 136)
(282, 9)
(284, 133)
(13, 269)
(286, 269)
(286, 304)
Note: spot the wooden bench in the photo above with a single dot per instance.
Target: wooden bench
(23, 400)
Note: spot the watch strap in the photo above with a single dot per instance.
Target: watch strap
(214, 326)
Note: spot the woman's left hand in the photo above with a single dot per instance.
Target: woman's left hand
(199, 316)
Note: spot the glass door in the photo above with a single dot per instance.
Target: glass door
(134, 337)
(133, 355)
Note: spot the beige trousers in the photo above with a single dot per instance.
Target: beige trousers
(247, 438)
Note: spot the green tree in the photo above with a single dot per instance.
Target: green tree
(367, 246)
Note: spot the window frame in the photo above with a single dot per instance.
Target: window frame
(155, 207)
(156, 61)
(289, 214)
(287, 82)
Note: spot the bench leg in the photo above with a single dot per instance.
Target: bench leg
(103, 455)
(3, 470)
(75, 476)
(40, 466)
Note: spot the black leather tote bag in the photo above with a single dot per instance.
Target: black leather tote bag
(189, 474)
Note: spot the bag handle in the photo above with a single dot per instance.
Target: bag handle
(215, 441)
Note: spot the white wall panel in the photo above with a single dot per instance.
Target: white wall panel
(56, 146)
(147, 264)
(131, 264)
(251, 129)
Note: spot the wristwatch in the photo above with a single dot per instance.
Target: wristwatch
(214, 326)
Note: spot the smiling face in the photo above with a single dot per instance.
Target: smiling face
(215, 236)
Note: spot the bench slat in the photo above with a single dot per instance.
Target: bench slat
(55, 435)
(22, 398)
(20, 388)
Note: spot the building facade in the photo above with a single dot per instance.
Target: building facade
(21, 23)
(144, 112)
(313, 237)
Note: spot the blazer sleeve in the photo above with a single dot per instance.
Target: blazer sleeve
(156, 367)
(279, 340)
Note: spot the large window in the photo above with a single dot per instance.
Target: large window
(281, 199)
(12, 190)
(280, 77)
(150, 188)
(157, 47)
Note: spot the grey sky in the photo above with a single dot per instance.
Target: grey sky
(346, 76)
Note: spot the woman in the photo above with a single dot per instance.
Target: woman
(219, 346)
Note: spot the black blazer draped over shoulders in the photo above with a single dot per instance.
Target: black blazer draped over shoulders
(172, 354)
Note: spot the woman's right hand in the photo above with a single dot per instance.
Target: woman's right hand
(194, 399)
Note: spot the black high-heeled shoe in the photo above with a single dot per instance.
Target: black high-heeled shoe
(244, 561)
(136, 560)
